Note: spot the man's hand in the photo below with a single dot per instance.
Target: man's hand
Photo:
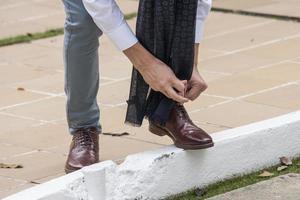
(156, 73)
(195, 86)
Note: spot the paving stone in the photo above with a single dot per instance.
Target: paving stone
(53, 109)
(209, 75)
(116, 148)
(13, 123)
(203, 101)
(253, 36)
(11, 30)
(237, 113)
(243, 4)
(36, 165)
(14, 96)
(285, 187)
(239, 85)
(128, 6)
(114, 93)
(297, 60)
(207, 53)
(41, 15)
(13, 73)
(56, 42)
(9, 150)
(49, 83)
(15, 189)
(43, 137)
(29, 12)
(53, 60)
(234, 63)
(7, 183)
(48, 178)
(112, 119)
(230, 23)
(278, 50)
(143, 134)
(285, 97)
(284, 72)
(113, 63)
(276, 7)
(23, 51)
(53, 21)
(287, 8)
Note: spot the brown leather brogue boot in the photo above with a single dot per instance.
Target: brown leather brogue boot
(182, 130)
(84, 149)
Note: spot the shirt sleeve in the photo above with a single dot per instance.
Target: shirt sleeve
(109, 18)
(203, 9)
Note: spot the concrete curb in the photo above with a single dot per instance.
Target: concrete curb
(166, 171)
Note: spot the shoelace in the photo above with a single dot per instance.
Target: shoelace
(182, 113)
(84, 138)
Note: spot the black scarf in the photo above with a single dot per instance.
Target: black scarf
(166, 28)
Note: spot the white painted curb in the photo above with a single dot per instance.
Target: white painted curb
(166, 171)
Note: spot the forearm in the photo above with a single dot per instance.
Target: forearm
(139, 56)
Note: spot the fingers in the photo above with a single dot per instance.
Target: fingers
(195, 91)
(179, 85)
(172, 94)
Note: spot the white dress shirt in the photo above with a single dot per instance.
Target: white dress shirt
(109, 18)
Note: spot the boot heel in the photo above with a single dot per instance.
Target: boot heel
(157, 130)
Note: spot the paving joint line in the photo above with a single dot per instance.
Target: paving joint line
(295, 62)
(267, 90)
(215, 72)
(245, 96)
(42, 92)
(261, 67)
(24, 117)
(256, 14)
(239, 29)
(269, 105)
(254, 46)
(213, 124)
(116, 81)
(26, 103)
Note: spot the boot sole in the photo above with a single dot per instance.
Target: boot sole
(68, 170)
(162, 132)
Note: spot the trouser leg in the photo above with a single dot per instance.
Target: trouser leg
(81, 67)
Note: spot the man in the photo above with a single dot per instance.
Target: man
(86, 20)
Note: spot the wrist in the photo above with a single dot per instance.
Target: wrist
(139, 56)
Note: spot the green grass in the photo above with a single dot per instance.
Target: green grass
(257, 14)
(41, 35)
(30, 37)
(130, 15)
(235, 183)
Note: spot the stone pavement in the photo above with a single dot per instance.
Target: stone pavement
(285, 187)
(21, 17)
(274, 7)
(251, 64)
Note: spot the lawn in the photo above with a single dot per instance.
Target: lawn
(235, 183)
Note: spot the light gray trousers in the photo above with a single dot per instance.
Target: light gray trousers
(81, 67)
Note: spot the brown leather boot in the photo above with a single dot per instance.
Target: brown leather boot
(182, 130)
(84, 149)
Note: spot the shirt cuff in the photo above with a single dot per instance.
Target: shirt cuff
(122, 36)
(199, 31)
